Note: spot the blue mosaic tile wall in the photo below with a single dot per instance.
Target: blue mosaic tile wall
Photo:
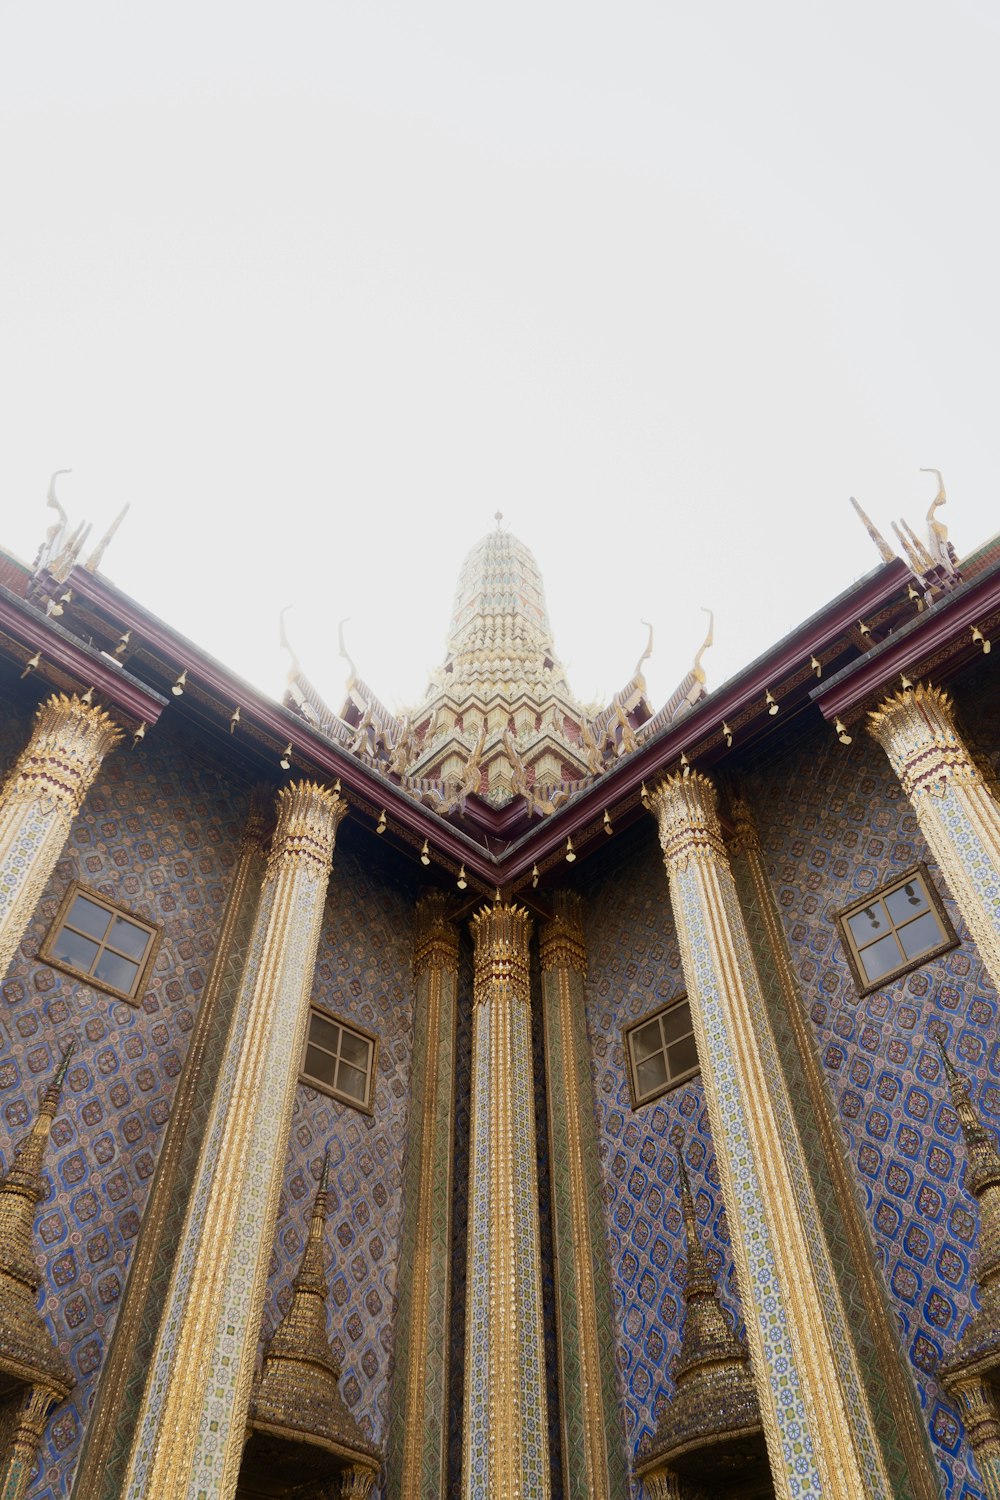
(834, 825)
(363, 974)
(634, 969)
(158, 834)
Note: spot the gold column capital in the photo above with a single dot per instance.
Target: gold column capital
(746, 837)
(687, 814)
(69, 740)
(436, 937)
(308, 818)
(561, 942)
(501, 933)
(917, 731)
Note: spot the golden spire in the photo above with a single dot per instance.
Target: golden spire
(983, 1175)
(28, 1349)
(711, 1429)
(296, 1396)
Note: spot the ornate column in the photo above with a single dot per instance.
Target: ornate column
(798, 1361)
(111, 1427)
(593, 1442)
(41, 797)
(418, 1427)
(506, 1429)
(192, 1422)
(957, 814)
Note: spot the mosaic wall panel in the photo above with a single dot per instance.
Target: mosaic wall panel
(363, 973)
(834, 825)
(634, 968)
(158, 834)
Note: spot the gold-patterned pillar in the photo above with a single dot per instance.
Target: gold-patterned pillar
(505, 1439)
(418, 1426)
(592, 1438)
(41, 797)
(192, 1422)
(974, 1395)
(816, 1440)
(958, 816)
(109, 1431)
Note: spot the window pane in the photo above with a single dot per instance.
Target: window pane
(127, 938)
(351, 1081)
(71, 948)
(676, 1023)
(89, 917)
(650, 1075)
(868, 924)
(881, 958)
(906, 902)
(354, 1049)
(922, 933)
(323, 1033)
(320, 1065)
(117, 971)
(682, 1056)
(646, 1040)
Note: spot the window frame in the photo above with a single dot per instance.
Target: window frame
(639, 1102)
(154, 931)
(365, 1107)
(918, 872)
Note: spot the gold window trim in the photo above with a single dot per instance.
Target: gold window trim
(326, 1088)
(671, 1083)
(920, 872)
(153, 929)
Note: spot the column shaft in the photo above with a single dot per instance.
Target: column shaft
(41, 797)
(191, 1428)
(973, 1395)
(27, 1426)
(593, 1447)
(958, 816)
(100, 1472)
(814, 1449)
(418, 1428)
(506, 1431)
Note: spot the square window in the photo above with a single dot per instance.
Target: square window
(895, 929)
(95, 940)
(339, 1060)
(661, 1052)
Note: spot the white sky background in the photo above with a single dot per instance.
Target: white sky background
(320, 286)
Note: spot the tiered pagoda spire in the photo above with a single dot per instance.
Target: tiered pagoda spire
(301, 1431)
(711, 1431)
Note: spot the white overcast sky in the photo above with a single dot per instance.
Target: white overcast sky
(320, 286)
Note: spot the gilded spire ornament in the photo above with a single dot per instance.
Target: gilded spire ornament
(711, 1431)
(33, 1372)
(300, 1428)
(971, 1370)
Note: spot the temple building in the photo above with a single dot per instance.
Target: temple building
(511, 1099)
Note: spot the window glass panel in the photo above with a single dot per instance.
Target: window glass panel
(117, 971)
(646, 1040)
(650, 1074)
(71, 948)
(126, 937)
(920, 934)
(89, 917)
(351, 1081)
(881, 957)
(682, 1055)
(320, 1065)
(354, 1049)
(906, 902)
(676, 1023)
(868, 924)
(323, 1033)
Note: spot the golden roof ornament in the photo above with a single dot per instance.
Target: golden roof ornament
(301, 1431)
(885, 552)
